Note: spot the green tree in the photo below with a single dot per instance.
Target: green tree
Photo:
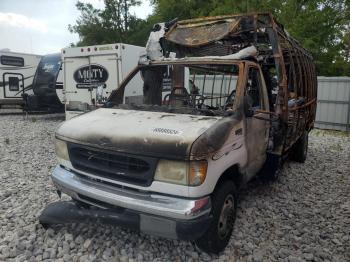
(321, 26)
(112, 24)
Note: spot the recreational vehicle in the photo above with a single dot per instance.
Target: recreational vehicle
(17, 71)
(90, 73)
(47, 86)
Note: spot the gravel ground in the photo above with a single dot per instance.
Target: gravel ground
(304, 216)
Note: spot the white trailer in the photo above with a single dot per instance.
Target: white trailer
(16, 76)
(91, 73)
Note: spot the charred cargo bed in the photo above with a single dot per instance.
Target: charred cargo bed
(281, 57)
(288, 68)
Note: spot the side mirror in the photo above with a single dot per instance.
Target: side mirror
(247, 105)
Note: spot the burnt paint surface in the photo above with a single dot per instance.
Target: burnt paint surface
(155, 147)
(215, 137)
(137, 132)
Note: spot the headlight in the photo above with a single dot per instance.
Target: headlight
(191, 173)
(61, 149)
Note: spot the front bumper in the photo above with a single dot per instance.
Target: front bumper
(151, 213)
(63, 212)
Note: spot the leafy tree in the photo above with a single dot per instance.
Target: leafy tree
(88, 25)
(112, 24)
(322, 26)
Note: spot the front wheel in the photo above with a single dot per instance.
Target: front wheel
(224, 206)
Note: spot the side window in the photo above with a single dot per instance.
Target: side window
(253, 88)
(12, 60)
(14, 83)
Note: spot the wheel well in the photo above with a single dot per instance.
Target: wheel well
(233, 174)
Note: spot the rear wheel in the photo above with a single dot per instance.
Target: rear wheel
(299, 152)
(224, 206)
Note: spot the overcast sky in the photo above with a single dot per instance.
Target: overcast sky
(41, 26)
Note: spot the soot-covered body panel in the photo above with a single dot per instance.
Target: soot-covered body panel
(137, 132)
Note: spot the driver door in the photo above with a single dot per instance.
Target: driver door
(257, 129)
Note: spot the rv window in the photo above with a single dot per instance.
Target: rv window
(13, 83)
(12, 60)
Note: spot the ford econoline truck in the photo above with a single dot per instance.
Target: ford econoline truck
(224, 99)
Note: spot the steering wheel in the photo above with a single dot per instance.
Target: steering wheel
(177, 93)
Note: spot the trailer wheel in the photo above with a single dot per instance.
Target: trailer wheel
(299, 152)
(224, 206)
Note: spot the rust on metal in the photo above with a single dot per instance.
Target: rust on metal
(279, 54)
(197, 34)
(287, 67)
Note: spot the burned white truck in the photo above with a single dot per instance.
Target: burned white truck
(224, 99)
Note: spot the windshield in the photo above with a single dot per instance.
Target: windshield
(47, 72)
(204, 89)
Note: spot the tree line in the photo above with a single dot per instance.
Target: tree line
(321, 26)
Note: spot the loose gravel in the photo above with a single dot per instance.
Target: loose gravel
(304, 216)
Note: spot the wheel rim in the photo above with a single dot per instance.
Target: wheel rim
(226, 219)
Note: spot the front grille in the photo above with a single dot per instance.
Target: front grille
(122, 167)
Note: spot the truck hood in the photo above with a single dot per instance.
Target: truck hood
(156, 134)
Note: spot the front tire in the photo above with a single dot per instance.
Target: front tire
(224, 207)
